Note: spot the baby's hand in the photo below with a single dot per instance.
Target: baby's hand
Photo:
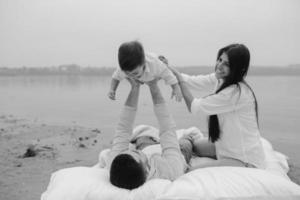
(176, 92)
(112, 95)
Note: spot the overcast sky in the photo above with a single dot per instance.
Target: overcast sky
(188, 32)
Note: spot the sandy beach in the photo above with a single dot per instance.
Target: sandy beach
(30, 151)
(25, 175)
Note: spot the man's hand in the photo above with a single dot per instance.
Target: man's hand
(132, 99)
(133, 82)
(157, 97)
(152, 83)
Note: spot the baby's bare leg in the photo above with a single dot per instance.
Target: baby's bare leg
(218, 163)
(204, 148)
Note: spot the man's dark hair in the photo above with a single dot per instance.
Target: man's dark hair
(130, 55)
(126, 172)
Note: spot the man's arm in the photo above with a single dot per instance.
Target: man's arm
(125, 125)
(168, 139)
(156, 95)
(133, 97)
(164, 118)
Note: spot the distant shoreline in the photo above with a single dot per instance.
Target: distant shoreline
(292, 70)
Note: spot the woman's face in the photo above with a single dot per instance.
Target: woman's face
(222, 67)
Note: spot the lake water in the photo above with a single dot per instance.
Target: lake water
(82, 100)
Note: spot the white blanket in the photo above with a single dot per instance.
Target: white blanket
(92, 183)
(276, 161)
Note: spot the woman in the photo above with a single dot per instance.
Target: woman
(234, 137)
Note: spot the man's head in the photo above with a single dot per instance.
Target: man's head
(131, 58)
(129, 169)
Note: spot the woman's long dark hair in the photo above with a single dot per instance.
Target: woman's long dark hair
(239, 59)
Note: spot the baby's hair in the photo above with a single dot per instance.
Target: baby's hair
(131, 55)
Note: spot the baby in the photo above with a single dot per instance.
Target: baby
(134, 63)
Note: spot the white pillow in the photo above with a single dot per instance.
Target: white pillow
(84, 183)
(73, 183)
(87, 183)
(149, 191)
(231, 183)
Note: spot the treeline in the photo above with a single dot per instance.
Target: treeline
(73, 69)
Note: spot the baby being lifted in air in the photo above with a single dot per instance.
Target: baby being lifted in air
(144, 67)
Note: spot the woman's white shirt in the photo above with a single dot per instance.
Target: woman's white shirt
(204, 83)
(235, 107)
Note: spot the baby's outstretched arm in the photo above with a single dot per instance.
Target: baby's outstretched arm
(176, 92)
(113, 87)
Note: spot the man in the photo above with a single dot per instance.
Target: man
(130, 169)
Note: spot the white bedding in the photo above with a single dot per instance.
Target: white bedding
(92, 183)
